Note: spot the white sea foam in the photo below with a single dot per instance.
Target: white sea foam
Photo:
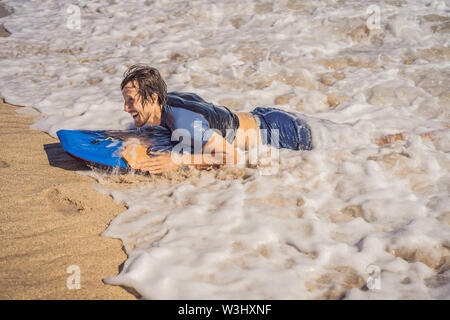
(347, 219)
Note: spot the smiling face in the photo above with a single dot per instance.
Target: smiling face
(149, 113)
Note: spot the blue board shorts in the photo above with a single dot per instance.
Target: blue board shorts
(286, 127)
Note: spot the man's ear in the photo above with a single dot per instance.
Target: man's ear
(152, 99)
(155, 97)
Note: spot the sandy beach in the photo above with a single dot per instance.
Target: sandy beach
(51, 219)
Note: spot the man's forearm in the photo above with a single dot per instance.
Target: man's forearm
(206, 160)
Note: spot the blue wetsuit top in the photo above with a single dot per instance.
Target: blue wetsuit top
(188, 111)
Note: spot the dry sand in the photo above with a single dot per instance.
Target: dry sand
(50, 219)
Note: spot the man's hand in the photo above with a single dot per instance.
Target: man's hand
(136, 156)
(161, 162)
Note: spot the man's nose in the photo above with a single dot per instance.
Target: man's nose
(125, 107)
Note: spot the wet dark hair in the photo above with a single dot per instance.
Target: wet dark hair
(148, 81)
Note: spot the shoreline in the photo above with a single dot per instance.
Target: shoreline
(51, 219)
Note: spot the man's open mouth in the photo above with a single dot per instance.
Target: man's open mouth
(135, 115)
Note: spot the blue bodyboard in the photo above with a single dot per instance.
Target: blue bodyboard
(103, 146)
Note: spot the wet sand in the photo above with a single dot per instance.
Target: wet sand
(3, 13)
(50, 219)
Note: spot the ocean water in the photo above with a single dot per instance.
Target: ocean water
(349, 219)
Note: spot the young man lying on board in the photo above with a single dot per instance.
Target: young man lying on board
(216, 131)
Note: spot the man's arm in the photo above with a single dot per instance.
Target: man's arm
(217, 151)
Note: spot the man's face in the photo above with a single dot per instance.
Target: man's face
(133, 105)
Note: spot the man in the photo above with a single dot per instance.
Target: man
(216, 131)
